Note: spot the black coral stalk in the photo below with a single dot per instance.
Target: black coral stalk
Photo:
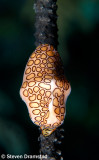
(46, 22)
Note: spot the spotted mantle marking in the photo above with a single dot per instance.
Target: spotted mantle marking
(45, 88)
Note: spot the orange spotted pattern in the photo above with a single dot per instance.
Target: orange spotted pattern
(45, 88)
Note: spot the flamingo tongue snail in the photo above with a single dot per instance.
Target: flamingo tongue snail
(45, 88)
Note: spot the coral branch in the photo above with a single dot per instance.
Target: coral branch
(46, 22)
(46, 33)
(51, 145)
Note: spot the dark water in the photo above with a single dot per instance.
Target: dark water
(78, 25)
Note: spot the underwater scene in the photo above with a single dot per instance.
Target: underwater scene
(78, 36)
